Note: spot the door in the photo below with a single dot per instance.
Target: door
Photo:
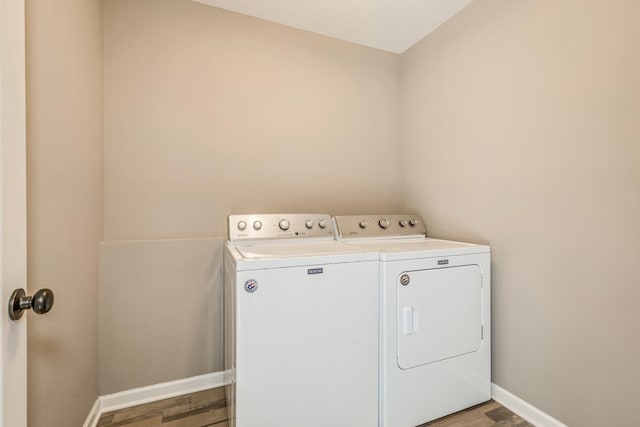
(439, 314)
(13, 346)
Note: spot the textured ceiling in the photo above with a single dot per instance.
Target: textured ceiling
(391, 25)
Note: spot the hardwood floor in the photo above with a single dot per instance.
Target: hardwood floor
(205, 408)
(489, 414)
(208, 408)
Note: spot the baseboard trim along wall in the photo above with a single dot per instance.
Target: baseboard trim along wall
(94, 415)
(523, 409)
(152, 393)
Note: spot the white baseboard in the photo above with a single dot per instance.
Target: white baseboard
(94, 415)
(526, 411)
(139, 396)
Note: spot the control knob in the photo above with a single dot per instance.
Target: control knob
(257, 225)
(284, 224)
(242, 225)
(403, 223)
(384, 223)
(322, 223)
(363, 223)
(309, 224)
(413, 222)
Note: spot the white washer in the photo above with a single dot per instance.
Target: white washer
(301, 323)
(435, 320)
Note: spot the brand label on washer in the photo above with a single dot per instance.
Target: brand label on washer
(251, 286)
(315, 270)
(443, 261)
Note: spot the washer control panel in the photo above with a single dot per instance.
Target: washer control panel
(279, 226)
(379, 226)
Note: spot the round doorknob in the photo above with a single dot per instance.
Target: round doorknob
(41, 302)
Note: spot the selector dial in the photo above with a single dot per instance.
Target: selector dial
(257, 225)
(309, 224)
(413, 222)
(322, 223)
(242, 225)
(363, 223)
(403, 223)
(284, 224)
(384, 223)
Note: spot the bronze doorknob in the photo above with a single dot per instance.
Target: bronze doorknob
(41, 302)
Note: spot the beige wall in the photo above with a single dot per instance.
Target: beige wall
(64, 204)
(160, 312)
(517, 126)
(209, 113)
(520, 129)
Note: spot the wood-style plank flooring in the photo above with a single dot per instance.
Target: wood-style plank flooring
(488, 414)
(208, 408)
(205, 408)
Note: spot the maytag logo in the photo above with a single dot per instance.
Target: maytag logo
(443, 261)
(315, 271)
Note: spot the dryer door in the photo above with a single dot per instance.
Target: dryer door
(439, 314)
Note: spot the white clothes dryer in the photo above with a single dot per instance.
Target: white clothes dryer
(301, 324)
(435, 319)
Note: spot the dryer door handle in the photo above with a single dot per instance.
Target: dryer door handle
(410, 320)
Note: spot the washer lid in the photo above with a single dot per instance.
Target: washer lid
(295, 250)
(283, 255)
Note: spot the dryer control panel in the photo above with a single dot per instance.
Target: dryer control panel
(379, 226)
(279, 226)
